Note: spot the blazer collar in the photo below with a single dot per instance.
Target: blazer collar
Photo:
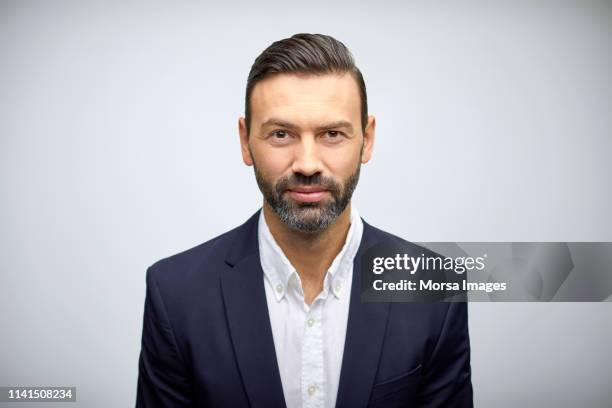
(251, 332)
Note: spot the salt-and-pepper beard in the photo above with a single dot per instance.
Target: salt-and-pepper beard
(303, 216)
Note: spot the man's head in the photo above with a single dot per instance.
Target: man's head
(306, 129)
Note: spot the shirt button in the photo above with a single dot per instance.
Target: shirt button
(311, 322)
(338, 286)
(311, 390)
(279, 288)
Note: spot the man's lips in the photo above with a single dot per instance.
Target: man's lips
(308, 194)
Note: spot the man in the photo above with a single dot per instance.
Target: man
(269, 314)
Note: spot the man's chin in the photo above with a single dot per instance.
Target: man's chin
(312, 216)
(307, 208)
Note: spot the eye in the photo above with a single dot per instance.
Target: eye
(334, 136)
(279, 134)
(279, 137)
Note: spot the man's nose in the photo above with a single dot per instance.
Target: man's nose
(306, 158)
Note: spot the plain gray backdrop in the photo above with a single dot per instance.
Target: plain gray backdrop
(119, 146)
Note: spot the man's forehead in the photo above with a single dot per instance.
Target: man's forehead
(289, 93)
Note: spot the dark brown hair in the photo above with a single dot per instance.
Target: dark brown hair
(315, 54)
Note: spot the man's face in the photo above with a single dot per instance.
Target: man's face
(306, 145)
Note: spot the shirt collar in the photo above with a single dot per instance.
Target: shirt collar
(281, 274)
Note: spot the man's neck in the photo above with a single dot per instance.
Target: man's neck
(310, 253)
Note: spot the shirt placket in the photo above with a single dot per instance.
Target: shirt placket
(313, 375)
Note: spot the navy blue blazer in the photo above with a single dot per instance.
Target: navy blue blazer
(207, 339)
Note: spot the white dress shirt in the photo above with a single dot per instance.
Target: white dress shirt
(309, 340)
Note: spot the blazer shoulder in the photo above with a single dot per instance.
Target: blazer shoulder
(389, 238)
(204, 258)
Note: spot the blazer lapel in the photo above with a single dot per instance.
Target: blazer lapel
(364, 337)
(251, 332)
(248, 319)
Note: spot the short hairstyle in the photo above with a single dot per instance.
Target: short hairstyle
(315, 54)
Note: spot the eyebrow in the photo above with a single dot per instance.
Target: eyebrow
(332, 125)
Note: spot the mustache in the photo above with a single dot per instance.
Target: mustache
(300, 180)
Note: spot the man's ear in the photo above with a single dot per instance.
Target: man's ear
(368, 139)
(244, 142)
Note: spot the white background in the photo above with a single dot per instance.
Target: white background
(119, 146)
